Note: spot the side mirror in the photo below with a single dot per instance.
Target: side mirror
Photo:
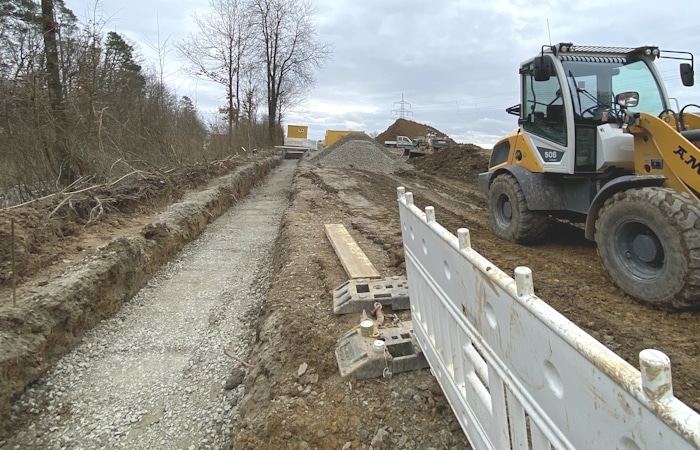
(543, 68)
(687, 74)
(514, 110)
(627, 99)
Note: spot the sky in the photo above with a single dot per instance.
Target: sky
(449, 64)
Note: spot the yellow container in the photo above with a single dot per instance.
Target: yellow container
(332, 136)
(297, 131)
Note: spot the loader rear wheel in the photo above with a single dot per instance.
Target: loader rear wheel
(649, 243)
(510, 217)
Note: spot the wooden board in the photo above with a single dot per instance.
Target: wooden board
(353, 259)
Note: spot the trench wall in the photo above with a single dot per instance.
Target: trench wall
(52, 320)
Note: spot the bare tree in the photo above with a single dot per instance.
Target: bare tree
(290, 51)
(68, 167)
(76, 103)
(219, 50)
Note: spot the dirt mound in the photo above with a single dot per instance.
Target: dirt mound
(463, 162)
(403, 127)
(48, 229)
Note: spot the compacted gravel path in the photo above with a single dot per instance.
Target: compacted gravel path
(164, 372)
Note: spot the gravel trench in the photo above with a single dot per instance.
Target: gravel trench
(157, 374)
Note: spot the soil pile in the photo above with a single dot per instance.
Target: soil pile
(360, 152)
(49, 229)
(403, 127)
(463, 162)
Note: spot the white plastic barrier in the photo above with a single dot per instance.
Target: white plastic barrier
(518, 374)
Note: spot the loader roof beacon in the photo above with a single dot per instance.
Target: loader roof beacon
(600, 143)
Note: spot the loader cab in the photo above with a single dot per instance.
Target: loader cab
(568, 107)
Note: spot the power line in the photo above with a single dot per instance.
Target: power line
(402, 112)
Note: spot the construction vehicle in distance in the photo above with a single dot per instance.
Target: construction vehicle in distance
(411, 147)
(404, 142)
(599, 143)
(433, 141)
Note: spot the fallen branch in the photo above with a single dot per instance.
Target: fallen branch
(237, 359)
(32, 201)
(140, 172)
(95, 212)
(90, 188)
(59, 205)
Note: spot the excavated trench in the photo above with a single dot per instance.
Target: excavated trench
(52, 317)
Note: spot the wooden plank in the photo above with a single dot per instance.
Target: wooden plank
(353, 259)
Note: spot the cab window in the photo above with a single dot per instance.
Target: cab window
(544, 112)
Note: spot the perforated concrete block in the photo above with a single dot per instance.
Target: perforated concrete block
(355, 295)
(359, 357)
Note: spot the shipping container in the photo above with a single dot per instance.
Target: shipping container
(297, 131)
(332, 136)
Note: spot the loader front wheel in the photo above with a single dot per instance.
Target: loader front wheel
(649, 243)
(510, 217)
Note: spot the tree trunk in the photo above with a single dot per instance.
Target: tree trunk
(271, 119)
(61, 161)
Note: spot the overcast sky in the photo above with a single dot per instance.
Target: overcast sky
(454, 63)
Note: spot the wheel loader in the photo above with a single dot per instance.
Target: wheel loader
(600, 143)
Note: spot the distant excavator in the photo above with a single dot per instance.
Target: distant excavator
(599, 143)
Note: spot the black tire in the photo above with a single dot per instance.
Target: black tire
(649, 243)
(510, 217)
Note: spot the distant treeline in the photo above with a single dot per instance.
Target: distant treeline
(77, 106)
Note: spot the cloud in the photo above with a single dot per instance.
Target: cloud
(455, 62)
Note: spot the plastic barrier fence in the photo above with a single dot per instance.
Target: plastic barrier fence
(518, 374)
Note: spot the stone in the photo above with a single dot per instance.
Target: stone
(235, 379)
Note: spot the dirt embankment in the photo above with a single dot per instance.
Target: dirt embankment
(67, 288)
(295, 397)
(408, 128)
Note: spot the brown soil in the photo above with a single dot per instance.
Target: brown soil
(318, 410)
(283, 410)
(60, 226)
(408, 128)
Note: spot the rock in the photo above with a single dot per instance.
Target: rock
(310, 378)
(302, 369)
(435, 389)
(380, 438)
(235, 379)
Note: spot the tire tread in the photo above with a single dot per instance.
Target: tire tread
(685, 212)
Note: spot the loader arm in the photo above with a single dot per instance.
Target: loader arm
(661, 150)
(691, 121)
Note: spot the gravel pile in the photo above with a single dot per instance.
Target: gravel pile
(361, 152)
(164, 371)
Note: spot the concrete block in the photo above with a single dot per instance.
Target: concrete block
(355, 295)
(359, 357)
